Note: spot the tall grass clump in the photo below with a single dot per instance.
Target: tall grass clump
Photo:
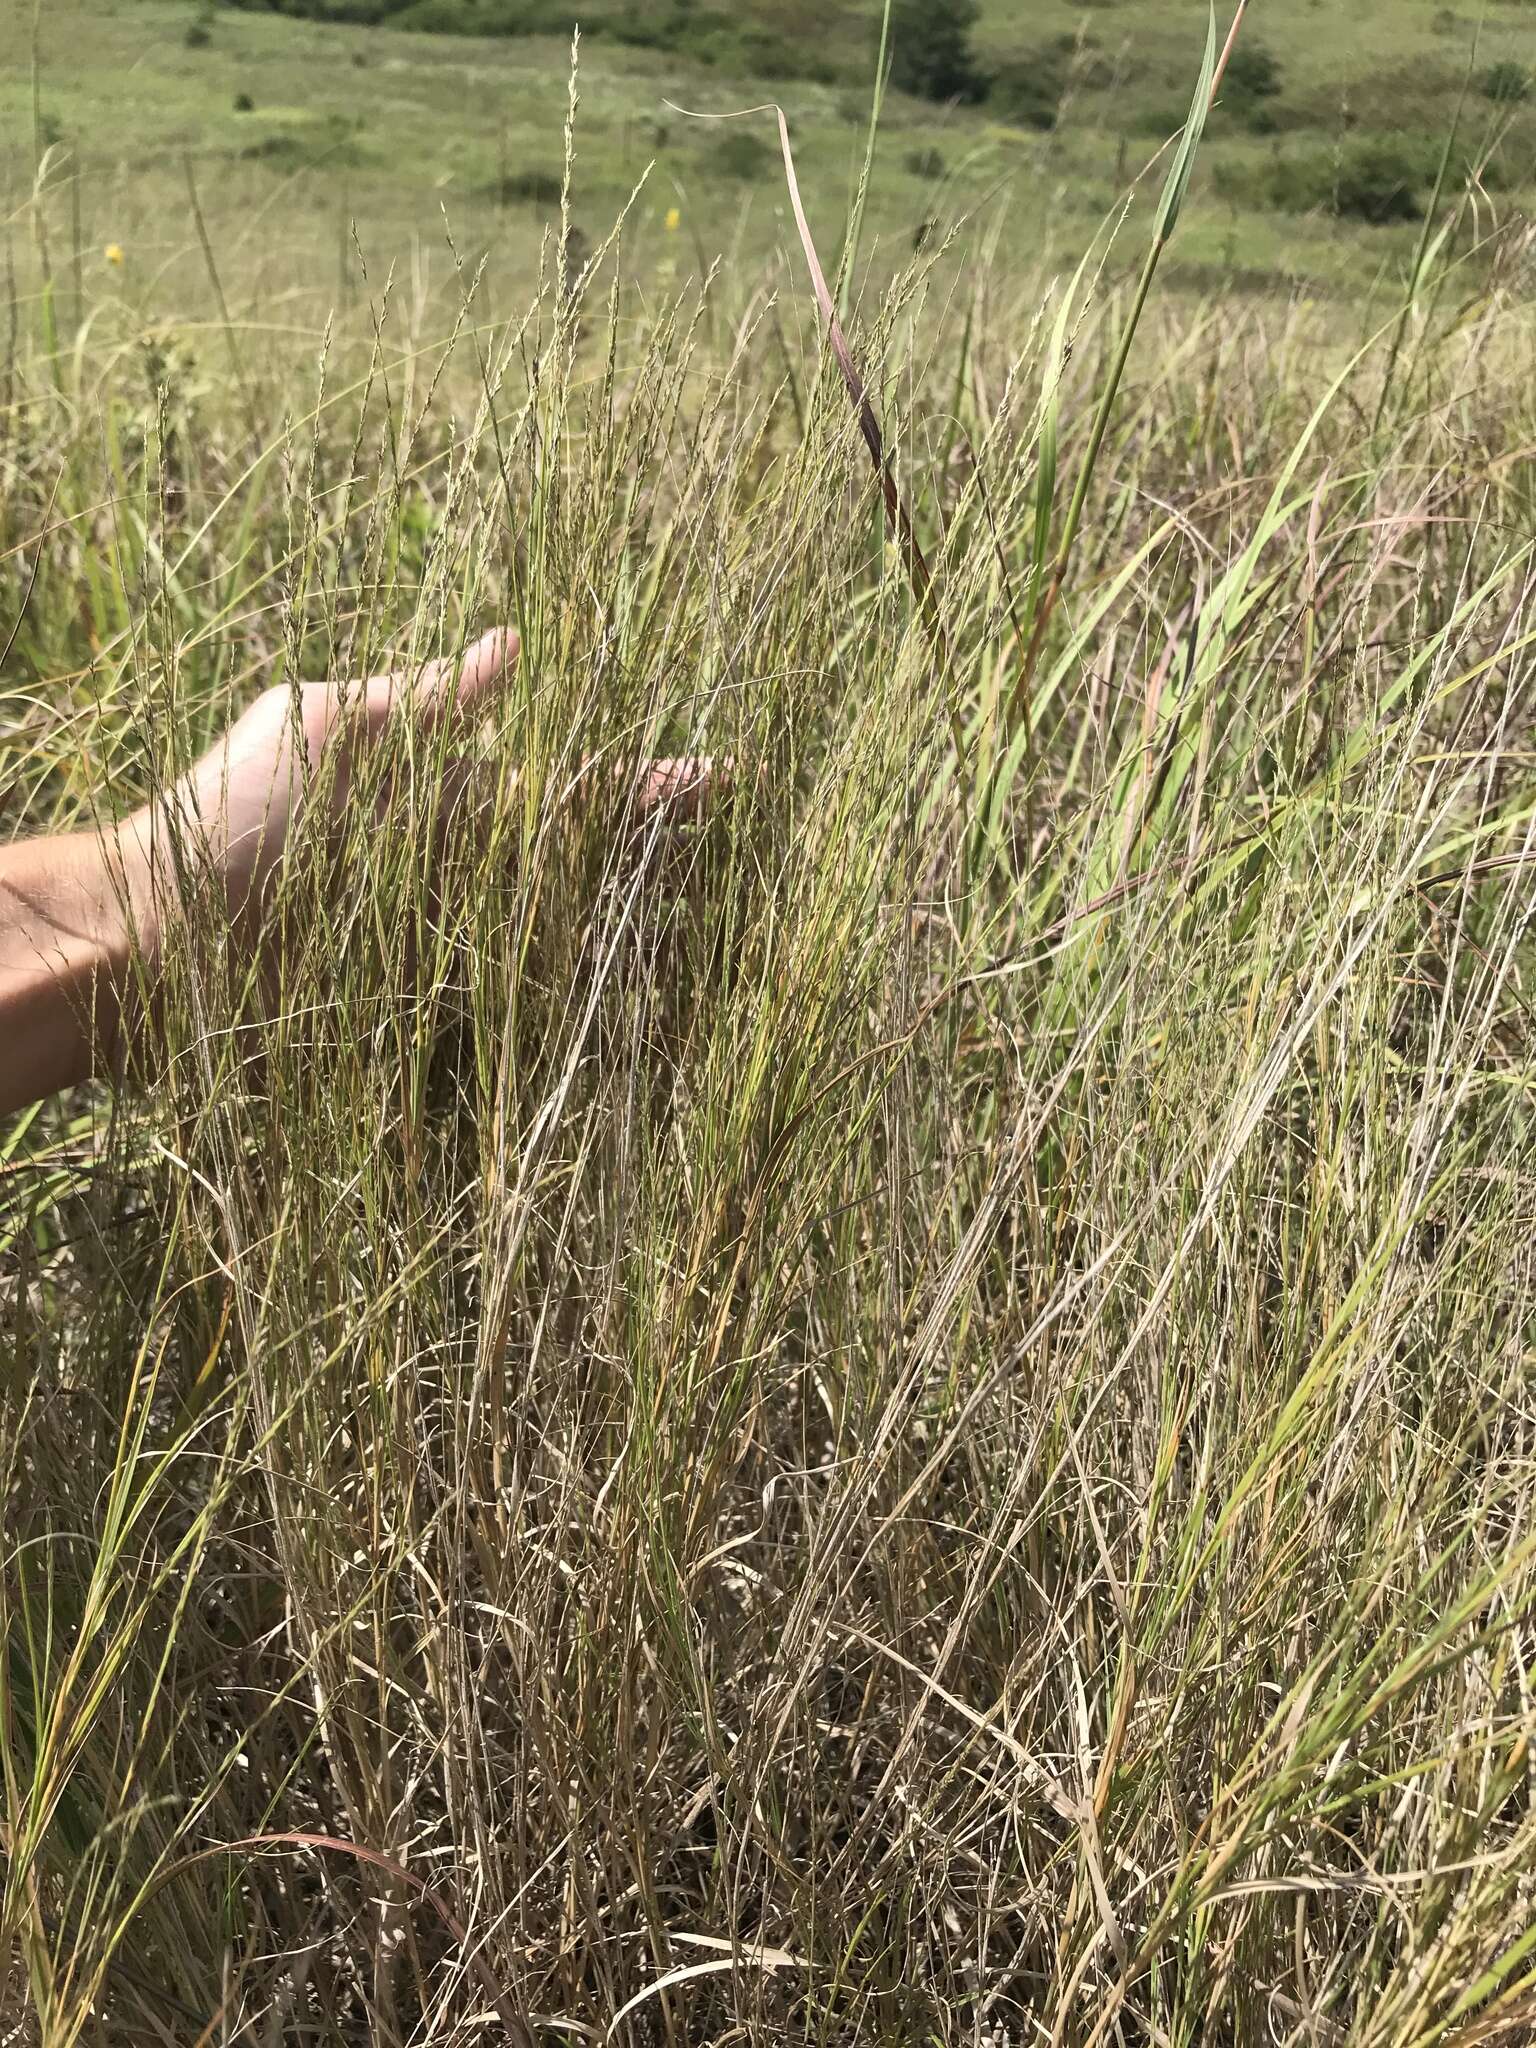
(899, 1415)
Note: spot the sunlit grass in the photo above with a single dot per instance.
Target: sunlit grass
(901, 1417)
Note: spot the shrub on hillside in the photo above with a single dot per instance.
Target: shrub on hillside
(334, 141)
(1159, 118)
(1253, 73)
(740, 154)
(485, 17)
(706, 35)
(931, 53)
(1507, 83)
(1030, 89)
(285, 150)
(716, 35)
(1377, 182)
(732, 45)
(656, 28)
(924, 163)
(365, 12)
(1250, 88)
(528, 188)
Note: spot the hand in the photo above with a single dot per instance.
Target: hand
(73, 911)
(245, 795)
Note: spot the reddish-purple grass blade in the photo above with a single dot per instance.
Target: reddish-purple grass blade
(917, 564)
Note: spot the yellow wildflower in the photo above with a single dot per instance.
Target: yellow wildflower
(674, 220)
(113, 252)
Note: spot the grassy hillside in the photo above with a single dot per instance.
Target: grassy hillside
(293, 131)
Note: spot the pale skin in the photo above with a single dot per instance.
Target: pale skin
(73, 909)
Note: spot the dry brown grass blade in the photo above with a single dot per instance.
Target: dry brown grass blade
(918, 570)
(869, 426)
(919, 574)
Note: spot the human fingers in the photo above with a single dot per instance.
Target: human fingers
(681, 784)
(676, 788)
(451, 685)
